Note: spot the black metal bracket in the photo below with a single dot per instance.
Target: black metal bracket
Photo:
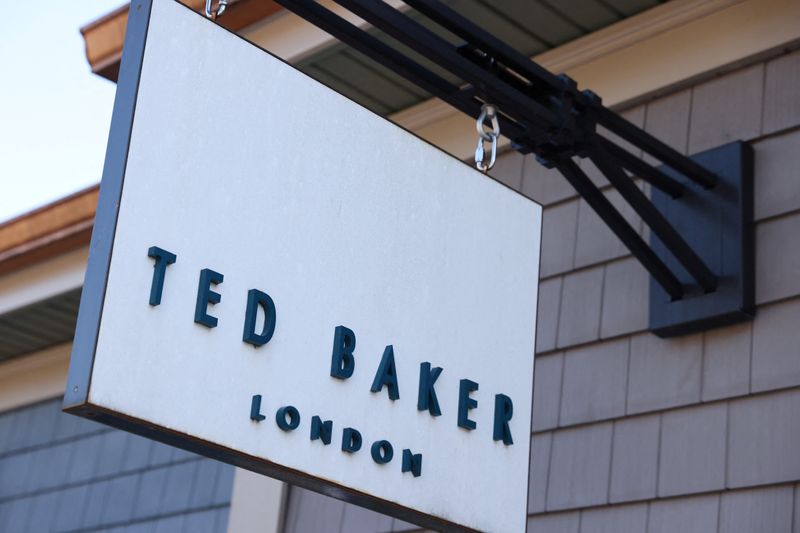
(718, 223)
(700, 204)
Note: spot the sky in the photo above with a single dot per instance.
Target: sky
(54, 113)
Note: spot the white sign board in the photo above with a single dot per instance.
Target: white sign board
(278, 274)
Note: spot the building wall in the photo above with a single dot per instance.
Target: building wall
(631, 432)
(62, 473)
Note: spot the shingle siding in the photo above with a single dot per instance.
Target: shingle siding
(727, 109)
(579, 467)
(559, 225)
(624, 310)
(62, 473)
(581, 303)
(634, 459)
(594, 382)
(777, 265)
(555, 523)
(781, 105)
(545, 185)
(726, 362)
(705, 437)
(764, 434)
(547, 316)
(540, 471)
(508, 169)
(687, 515)
(664, 372)
(768, 509)
(595, 242)
(776, 162)
(624, 518)
(547, 378)
(776, 347)
(668, 120)
(693, 446)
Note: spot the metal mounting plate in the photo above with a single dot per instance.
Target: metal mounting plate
(718, 224)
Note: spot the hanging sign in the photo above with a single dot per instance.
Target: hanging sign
(282, 280)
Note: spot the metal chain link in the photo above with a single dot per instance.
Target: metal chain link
(488, 112)
(210, 13)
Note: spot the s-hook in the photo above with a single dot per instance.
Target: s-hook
(488, 112)
(210, 13)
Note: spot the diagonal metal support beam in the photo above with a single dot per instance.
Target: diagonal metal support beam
(621, 228)
(546, 114)
(658, 149)
(350, 34)
(353, 36)
(654, 219)
(430, 45)
(636, 166)
(471, 32)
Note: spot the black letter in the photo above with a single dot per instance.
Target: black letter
(426, 399)
(343, 362)
(351, 440)
(503, 411)
(321, 430)
(205, 296)
(382, 451)
(412, 463)
(163, 259)
(255, 409)
(386, 375)
(465, 403)
(255, 298)
(294, 418)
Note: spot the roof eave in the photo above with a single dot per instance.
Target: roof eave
(103, 37)
(48, 231)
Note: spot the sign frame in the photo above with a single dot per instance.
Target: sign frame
(76, 397)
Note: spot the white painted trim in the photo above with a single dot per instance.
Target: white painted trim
(629, 32)
(43, 280)
(697, 49)
(34, 378)
(257, 503)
